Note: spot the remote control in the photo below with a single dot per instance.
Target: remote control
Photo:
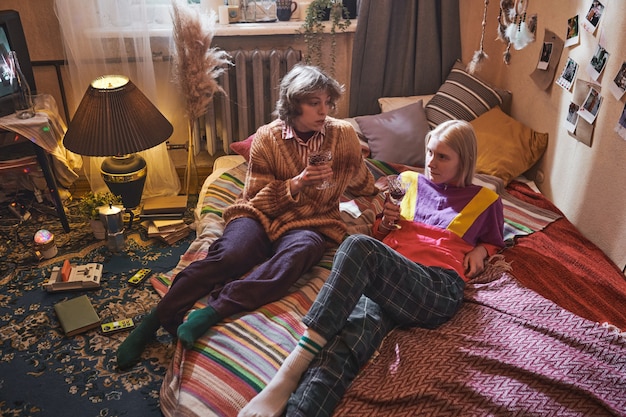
(139, 276)
(116, 326)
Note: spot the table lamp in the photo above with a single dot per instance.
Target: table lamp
(115, 119)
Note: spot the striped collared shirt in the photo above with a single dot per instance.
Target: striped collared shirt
(304, 148)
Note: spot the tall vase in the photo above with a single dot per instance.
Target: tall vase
(22, 97)
(191, 171)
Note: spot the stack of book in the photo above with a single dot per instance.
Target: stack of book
(169, 231)
(164, 208)
(163, 217)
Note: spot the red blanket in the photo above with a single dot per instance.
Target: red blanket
(595, 288)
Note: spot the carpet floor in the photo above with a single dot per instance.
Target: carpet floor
(47, 374)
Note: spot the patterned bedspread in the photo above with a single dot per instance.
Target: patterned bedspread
(509, 351)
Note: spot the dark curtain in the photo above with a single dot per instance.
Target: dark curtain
(402, 48)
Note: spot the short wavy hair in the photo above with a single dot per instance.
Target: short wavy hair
(460, 136)
(301, 83)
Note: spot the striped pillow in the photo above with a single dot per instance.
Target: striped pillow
(464, 97)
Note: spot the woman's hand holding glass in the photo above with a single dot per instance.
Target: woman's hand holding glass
(391, 215)
(396, 189)
(313, 175)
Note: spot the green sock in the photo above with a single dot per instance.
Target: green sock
(198, 322)
(131, 349)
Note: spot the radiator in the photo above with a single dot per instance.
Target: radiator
(251, 90)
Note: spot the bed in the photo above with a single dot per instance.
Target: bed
(540, 331)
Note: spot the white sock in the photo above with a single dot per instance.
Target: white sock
(271, 401)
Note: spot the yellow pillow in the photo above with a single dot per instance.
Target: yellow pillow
(506, 147)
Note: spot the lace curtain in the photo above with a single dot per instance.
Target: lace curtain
(114, 37)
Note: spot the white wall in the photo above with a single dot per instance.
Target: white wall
(587, 183)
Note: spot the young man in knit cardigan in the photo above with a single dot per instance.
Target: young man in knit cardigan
(281, 225)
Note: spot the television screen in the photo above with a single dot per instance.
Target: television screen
(6, 74)
(12, 39)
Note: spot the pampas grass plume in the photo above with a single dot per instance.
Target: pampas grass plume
(197, 66)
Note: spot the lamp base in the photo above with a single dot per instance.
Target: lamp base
(125, 176)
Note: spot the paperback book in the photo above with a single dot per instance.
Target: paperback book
(77, 315)
(165, 205)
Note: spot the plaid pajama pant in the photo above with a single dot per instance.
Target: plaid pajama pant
(371, 289)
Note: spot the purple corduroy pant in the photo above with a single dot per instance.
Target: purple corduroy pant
(243, 246)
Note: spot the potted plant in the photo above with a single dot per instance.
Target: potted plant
(88, 208)
(313, 27)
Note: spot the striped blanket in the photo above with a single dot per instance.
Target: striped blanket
(236, 358)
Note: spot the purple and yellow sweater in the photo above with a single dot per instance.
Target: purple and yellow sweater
(440, 224)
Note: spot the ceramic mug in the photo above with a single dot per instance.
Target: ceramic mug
(285, 8)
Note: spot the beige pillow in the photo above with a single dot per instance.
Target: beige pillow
(506, 147)
(391, 103)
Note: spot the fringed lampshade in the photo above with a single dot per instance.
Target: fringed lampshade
(116, 119)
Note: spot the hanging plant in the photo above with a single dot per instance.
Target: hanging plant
(312, 29)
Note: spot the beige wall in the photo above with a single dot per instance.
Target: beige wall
(587, 183)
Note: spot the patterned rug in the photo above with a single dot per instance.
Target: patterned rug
(43, 372)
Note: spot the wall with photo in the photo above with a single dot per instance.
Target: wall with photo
(583, 170)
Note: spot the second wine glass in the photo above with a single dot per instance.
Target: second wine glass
(321, 158)
(396, 190)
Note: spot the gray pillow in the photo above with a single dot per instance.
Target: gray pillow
(397, 136)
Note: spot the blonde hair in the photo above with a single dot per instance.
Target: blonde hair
(459, 135)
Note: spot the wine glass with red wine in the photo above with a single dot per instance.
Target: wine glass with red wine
(321, 158)
(396, 189)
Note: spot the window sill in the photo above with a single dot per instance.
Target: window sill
(272, 28)
(233, 29)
